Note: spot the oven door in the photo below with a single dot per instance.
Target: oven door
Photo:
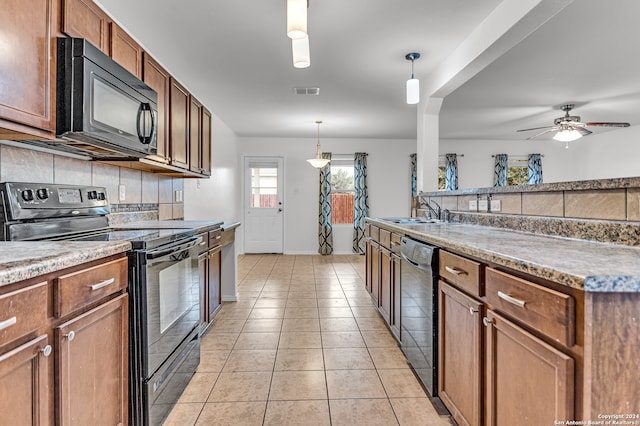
(171, 310)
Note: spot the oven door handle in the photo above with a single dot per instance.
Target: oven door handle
(174, 250)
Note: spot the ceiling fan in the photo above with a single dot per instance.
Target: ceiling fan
(569, 127)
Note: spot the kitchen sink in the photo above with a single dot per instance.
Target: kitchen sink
(409, 220)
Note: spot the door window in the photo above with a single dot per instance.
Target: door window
(264, 187)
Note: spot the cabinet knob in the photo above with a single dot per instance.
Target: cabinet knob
(472, 310)
(46, 351)
(70, 336)
(486, 321)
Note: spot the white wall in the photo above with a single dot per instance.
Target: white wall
(387, 179)
(217, 198)
(607, 155)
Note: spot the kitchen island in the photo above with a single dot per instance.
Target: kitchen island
(549, 320)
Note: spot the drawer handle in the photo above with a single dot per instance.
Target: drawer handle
(8, 323)
(202, 243)
(46, 351)
(510, 299)
(455, 271)
(103, 284)
(218, 237)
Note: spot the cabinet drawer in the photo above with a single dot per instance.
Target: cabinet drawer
(465, 273)
(545, 310)
(81, 288)
(374, 233)
(227, 237)
(215, 238)
(204, 244)
(395, 242)
(22, 311)
(385, 238)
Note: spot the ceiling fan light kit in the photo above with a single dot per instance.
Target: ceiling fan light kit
(318, 162)
(413, 84)
(569, 127)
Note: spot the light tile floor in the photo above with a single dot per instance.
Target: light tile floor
(302, 346)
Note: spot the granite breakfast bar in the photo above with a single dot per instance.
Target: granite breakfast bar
(600, 282)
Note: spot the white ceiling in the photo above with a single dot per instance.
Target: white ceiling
(236, 57)
(588, 54)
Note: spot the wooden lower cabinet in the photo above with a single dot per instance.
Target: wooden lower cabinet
(528, 381)
(460, 355)
(396, 296)
(92, 366)
(24, 383)
(213, 282)
(385, 285)
(373, 273)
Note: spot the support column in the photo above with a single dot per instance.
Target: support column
(428, 144)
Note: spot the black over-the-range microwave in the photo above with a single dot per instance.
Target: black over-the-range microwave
(102, 110)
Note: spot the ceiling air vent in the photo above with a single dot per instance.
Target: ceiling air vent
(306, 91)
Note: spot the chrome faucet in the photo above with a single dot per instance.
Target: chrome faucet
(431, 211)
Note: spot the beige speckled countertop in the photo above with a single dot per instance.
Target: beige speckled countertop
(585, 265)
(23, 260)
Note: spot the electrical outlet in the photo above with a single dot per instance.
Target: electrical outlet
(122, 195)
(483, 205)
(473, 205)
(496, 205)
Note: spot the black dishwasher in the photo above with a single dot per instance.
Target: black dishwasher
(419, 310)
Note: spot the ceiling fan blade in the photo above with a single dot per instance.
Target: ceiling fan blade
(552, 129)
(582, 130)
(535, 128)
(605, 124)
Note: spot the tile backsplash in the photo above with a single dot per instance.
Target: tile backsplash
(25, 165)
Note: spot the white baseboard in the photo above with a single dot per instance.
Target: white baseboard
(230, 298)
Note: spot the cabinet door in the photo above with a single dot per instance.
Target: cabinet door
(84, 19)
(385, 284)
(204, 288)
(375, 273)
(395, 295)
(24, 384)
(195, 135)
(26, 65)
(460, 355)
(179, 106)
(125, 51)
(92, 366)
(528, 381)
(213, 282)
(159, 80)
(206, 141)
(367, 264)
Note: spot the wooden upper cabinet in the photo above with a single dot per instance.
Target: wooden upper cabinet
(179, 106)
(159, 80)
(195, 135)
(27, 68)
(207, 134)
(125, 51)
(84, 19)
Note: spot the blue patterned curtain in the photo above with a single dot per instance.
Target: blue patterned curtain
(414, 175)
(451, 181)
(325, 230)
(500, 170)
(360, 201)
(534, 165)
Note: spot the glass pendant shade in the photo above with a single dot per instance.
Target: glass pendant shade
(300, 51)
(318, 162)
(296, 19)
(413, 91)
(567, 135)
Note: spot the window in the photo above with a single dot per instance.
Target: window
(342, 192)
(442, 175)
(264, 187)
(517, 173)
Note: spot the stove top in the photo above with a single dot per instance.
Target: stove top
(140, 239)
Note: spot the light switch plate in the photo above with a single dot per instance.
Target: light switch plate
(483, 205)
(496, 205)
(121, 193)
(473, 205)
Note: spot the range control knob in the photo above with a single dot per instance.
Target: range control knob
(27, 195)
(42, 193)
(92, 195)
(101, 196)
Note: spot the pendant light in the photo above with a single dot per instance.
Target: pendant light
(297, 19)
(300, 52)
(318, 162)
(413, 84)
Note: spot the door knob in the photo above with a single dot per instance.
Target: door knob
(279, 210)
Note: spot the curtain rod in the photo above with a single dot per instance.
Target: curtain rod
(519, 156)
(444, 155)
